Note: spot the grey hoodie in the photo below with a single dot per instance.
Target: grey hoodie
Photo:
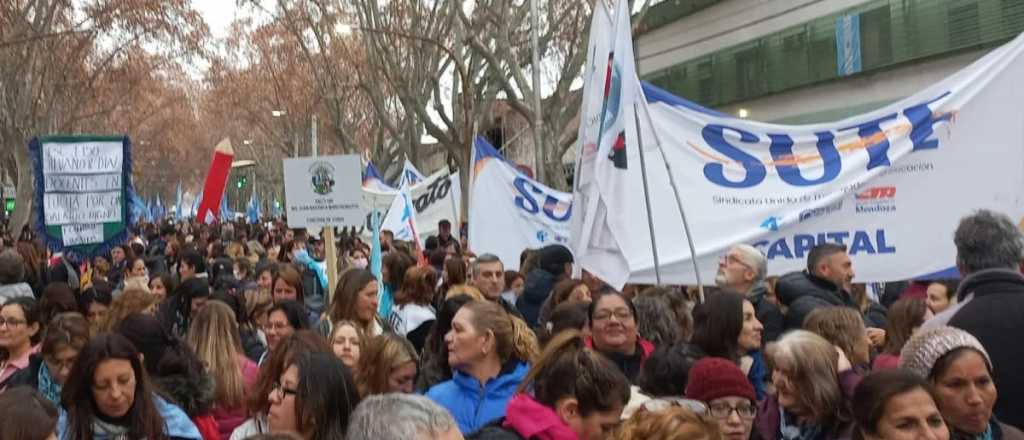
(11, 291)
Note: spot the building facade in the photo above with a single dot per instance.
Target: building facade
(806, 61)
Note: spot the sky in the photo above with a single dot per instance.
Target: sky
(218, 14)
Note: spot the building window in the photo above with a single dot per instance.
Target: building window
(964, 29)
(749, 72)
(876, 37)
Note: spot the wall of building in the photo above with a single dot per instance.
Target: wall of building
(724, 25)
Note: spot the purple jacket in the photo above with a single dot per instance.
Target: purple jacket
(769, 418)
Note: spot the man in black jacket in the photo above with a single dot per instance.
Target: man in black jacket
(743, 269)
(825, 283)
(989, 248)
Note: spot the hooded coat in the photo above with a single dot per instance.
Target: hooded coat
(541, 280)
(473, 404)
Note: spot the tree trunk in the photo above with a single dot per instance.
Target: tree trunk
(23, 182)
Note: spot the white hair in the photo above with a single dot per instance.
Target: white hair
(398, 416)
(755, 259)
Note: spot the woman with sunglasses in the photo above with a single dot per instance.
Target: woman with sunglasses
(729, 396)
(313, 398)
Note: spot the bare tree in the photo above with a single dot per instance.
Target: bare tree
(64, 65)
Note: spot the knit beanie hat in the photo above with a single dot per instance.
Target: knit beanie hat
(927, 346)
(711, 378)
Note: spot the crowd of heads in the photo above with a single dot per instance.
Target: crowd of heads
(238, 331)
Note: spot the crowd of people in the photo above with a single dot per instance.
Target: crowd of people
(230, 331)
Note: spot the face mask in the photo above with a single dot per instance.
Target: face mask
(360, 263)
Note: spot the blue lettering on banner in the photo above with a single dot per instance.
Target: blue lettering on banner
(922, 121)
(525, 200)
(800, 244)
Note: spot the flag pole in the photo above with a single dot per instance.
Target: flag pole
(647, 196)
(679, 205)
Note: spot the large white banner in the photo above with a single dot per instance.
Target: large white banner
(434, 198)
(891, 184)
(509, 212)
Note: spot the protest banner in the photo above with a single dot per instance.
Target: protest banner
(323, 191)
(434, 199)
(891, 184)
(510, 212)
(82, 187)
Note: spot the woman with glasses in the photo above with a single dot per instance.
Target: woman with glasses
(313, 398)
(814, 383)
(283, 319)
(730, 398)
(19, 334)
(614, 334)
(47, 371)
(108, 395)
(302, 341)
(570, 393)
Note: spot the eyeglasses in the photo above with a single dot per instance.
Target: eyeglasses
(663, 403)
(619, 314)
(733, 259)
(11, 322)
(724, 410)
(283, 392)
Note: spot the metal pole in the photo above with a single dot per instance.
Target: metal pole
(647, 196)
(679, 205)
(313, 136)
(538, 144)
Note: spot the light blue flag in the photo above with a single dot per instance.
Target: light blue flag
(178, 215)
(138, 209)
(253, 211)
(195, 204)
(275, 209)
(376, 259)
(226, 214)
(159, 212)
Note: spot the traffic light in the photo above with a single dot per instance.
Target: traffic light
(9, 205)
(240, 182)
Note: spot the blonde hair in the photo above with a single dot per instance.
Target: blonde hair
(811, 364)
(214, 337)
(841, 326)
(234, 250)
(132, 300)
(673, 423)
(381, 356)
(512, 337)
(464, 289)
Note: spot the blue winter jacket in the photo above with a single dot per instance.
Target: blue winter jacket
(473, 405)
(178, 425)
